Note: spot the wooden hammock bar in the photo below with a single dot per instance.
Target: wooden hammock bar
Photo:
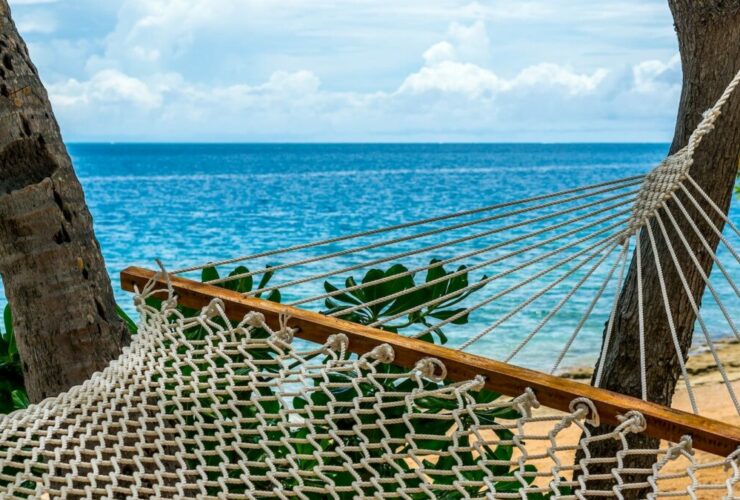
(662, 422)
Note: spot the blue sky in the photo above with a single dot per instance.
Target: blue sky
(356, 70)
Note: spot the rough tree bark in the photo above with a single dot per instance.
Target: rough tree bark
(709, 41)
(55, 280)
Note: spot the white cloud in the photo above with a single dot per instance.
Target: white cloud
(13, 3)
(361, 70)
(454, 77)
(472, 43)
(36, 22)
(654, 75)
(553, 75)
(439, 53)
(450, 67)
(449, 100)
(107, 88)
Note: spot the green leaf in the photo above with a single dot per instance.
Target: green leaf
(274, 296)
(3, 349)
(9, 334)
(359, 293)
(241, 285)
(435, 273)
(380, 290)
(435, 403)
(342, 297)
(506, 413)
(209, 274)
(20, 399)
(447, 314)
(130, 324)
(429, 337)
(8, 319)
(485, 396)
(265, 278)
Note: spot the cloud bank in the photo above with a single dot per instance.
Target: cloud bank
(195, 70)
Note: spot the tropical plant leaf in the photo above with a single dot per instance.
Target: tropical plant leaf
(130, 323)
(209, 274)
(20, 399)
(242, 284)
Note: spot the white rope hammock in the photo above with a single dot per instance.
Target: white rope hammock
(205, 405)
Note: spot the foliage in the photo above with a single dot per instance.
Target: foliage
(351, 306)
(241, 283)
(353, 301)
(237, 284)
(423, 423)
(12, 392)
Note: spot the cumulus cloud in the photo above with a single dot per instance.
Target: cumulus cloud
(460, 65)
(475, 82)
(454, 77)
(203, 70)
(30, 2)
(38, 22)
(655, 75)
(107, 87)
(445, 99)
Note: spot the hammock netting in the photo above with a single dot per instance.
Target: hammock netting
(206, 405)
(200, 407)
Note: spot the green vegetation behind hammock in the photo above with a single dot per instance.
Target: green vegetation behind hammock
(351, 306)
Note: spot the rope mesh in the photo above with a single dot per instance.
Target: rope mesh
(198, 406)
(202, 407)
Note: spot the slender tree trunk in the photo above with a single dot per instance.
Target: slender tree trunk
(709, 41)
(54, 276)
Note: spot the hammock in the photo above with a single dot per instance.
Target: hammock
(294, 381)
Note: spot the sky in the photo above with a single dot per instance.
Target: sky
(356, 70)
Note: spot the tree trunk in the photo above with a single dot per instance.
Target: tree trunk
(709, 42)
(55, 280)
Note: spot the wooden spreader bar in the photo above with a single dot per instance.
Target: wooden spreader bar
(554, 392)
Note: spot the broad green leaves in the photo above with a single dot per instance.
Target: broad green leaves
(341, 403)
(393, 292)
(242, 281)
(20, 399)
(130, 323)
(12, 392)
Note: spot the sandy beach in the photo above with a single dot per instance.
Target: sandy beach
(712, 398)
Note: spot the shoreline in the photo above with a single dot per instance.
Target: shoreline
(713, 400)
(701, 365)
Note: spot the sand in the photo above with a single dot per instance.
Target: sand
(712, 398)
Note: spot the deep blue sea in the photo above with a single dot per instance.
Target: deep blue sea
(188, 204)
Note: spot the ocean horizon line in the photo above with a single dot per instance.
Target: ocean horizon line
(373, 143)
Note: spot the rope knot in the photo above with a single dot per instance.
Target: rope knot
(170, 304)
(632, 422)
(526, 402)
(285, 333)
(476, 384)
(432, 369)
(337, 342)
(591, 414)
(383, 353)
(710, 115)
(254, 319)
(686, 444)
(214, 308)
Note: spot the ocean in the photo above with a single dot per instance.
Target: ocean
(191, 203)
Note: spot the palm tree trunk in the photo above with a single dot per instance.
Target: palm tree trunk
(709, 41)
(55, 280)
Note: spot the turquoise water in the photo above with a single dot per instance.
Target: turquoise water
(188, 204)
